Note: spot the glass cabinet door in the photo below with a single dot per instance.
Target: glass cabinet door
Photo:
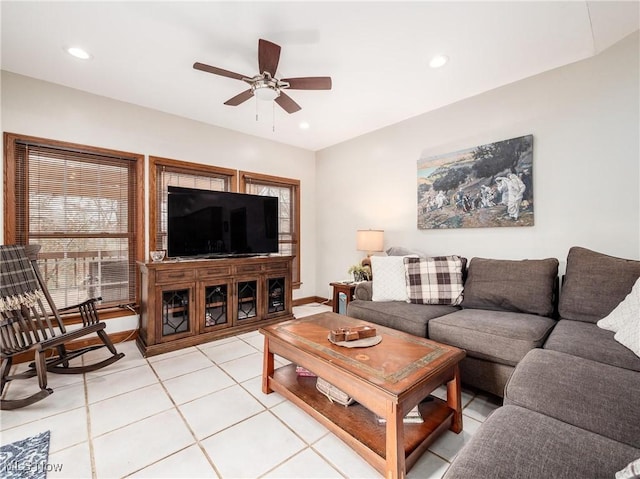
(275, 295)
(216, 306)
(175, 313)
(247, 299)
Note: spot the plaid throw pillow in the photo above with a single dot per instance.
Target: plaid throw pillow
(435, 280)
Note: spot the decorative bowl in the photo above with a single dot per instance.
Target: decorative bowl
(157, 256)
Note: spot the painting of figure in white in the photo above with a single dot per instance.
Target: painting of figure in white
(484, 186)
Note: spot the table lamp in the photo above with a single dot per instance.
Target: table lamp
(370, 241)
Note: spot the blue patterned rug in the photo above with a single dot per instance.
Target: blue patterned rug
(25, 459)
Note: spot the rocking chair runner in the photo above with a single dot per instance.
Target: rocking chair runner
(26, 325)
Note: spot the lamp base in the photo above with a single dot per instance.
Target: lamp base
(366, 261)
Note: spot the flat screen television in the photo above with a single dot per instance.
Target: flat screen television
(203, 223)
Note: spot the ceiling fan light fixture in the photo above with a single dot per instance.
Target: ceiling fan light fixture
(265, 92)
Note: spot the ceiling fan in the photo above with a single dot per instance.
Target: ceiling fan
(265, 85)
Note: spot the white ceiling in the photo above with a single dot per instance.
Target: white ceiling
(377, 54)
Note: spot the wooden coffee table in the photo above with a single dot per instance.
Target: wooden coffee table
(386, 380)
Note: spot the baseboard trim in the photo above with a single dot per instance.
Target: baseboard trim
(309, 300)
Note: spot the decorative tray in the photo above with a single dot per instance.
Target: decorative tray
(356, 337)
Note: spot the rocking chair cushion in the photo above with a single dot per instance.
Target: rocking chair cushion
(18, 285)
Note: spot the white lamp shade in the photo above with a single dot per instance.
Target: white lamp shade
(370, 240)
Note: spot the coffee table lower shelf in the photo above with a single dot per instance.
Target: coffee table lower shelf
(356, 425)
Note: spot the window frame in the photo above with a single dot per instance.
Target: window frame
(182, 167)
(10, 191)
(246, 177)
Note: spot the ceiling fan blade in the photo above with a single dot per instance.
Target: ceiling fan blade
(268, 56)
(309, 83)
(218, 71)
(287, 103)
(240, 98)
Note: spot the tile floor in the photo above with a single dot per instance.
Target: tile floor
(199, 412)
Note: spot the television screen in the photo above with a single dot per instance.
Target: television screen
(218, 223)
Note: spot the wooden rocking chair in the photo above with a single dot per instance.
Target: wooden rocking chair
(27, 326)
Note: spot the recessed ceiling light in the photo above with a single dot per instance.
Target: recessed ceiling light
(304, 125)
(78, 53)
(438, 61)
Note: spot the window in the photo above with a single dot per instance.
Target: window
(288, 192)
(164, 173)
(83, 205)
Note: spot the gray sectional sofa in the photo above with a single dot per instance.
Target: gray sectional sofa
(571, 391)
(507, 310)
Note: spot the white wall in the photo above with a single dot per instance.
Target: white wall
(37, 108)
(584, 119)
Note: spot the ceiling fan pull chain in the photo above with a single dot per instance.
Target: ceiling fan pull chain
(256, 109)
(273, 116)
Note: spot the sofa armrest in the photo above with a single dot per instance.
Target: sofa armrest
(364, 291)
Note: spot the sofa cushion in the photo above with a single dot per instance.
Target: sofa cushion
(486, 375)
(526, 286)
(503, 337)
(595, 284)
(400, 315)
(389, 282)
(589, 341)
(593, 396)
(434, 280)
(516, 443)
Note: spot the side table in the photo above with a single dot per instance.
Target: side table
(339, 287)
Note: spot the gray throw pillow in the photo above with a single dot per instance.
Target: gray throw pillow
(595, 284)
(524, 286)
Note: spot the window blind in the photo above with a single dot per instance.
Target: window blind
(80, 207)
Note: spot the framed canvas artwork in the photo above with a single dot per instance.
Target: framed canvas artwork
(485, 186)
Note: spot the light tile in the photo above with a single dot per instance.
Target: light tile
(267, 439)
(466, 395)
(254, 386)
(219, 410)
(429, 466)
(344, 459)
(132, 359)
(71, 463)
(450, 443)
(310, 309)
(304, 465)
(481, 406)
(303, 425)
(127, 408)
(109, 385)
(197, 384)
(63, 399)
(67, 429)
(140, 444)
(255, 340)
(244, 368)
(228, 351)
(171, 354)
(189, 463)
(30, 385)
(176, 366)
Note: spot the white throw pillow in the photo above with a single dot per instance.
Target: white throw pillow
(389, 282)
(624, 320)
(629, 306)
(632, 471)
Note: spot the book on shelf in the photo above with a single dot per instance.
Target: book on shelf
(412, 417)
(300, 371)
